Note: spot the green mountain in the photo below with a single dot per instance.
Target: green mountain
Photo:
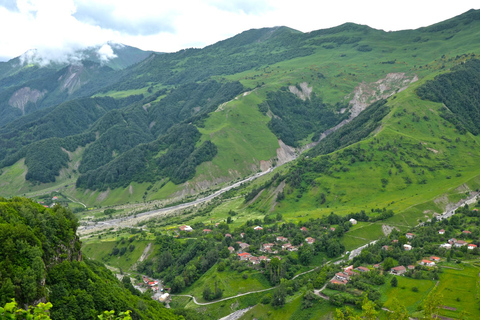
(32, 82)
(184, 122)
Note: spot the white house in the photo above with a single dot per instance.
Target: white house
(353, 221)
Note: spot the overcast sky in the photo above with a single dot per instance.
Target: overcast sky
(58, 27)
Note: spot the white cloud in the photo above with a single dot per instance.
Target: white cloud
(106, 53)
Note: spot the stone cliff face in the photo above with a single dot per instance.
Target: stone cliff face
(25, 95)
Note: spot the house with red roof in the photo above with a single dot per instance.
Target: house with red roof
(335, 281)
(436, 259)
(409, 235)
(426, 262)
(254, 260)
(257, 228)
(460, 243)
(411, 267)
(231, 249)
(283, 239)
(466, 232)
(471, 246)
(243, 256)
(441, 231)
(228, 235)
(362, 269)
(304, 229)
(185, 228)
(207, 230)
(310, 240)
(399, 270)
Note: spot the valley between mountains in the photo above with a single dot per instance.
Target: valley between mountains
(273, 175)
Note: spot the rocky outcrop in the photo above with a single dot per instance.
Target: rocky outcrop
(21, 97)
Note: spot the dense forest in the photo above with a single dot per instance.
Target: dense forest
(459, 91)
(40, 259)
(294, 119)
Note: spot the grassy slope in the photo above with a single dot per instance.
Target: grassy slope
(230, 281)
(361, 187)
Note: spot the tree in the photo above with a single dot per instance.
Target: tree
(178, 284)
(394, 282)
(279, 296)
(398, 311)
(39, 312)
(369, 312)
(432, 304)
(389, 263)
(305, 254)
(207, 293)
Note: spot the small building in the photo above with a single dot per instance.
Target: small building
(254, 260)
(376, 266)
(228, 235)
(385, 248)
(266, 247)
(292, 248)
(426, 262)
(332, 229)
(244, 256)
(335, 281)
(395, 241)
(399, 270)
(242, 234)
(263, 258)
(342, 276)
(231, 249)
(452, 241)
(362, 269)
(186, 228)
(471, 246)
(244, 246)
(348, 268)
(286, 246)
(446, 246)
(164, 297)
(257, 228)
(304, 229)
(310, 240)
(460, 243)
(353, 221)
(411, 267)
(441, 231)
(409, 235)
(407, 247)
(283, 239)
(217, 224)
(466, 232)
(436, 259)
(207, 230)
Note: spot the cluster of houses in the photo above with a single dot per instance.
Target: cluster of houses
(150, 284)
(268, 248)
(348, 272)
(457, 243)
(154, 285)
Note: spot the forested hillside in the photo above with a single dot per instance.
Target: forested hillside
(40, 260)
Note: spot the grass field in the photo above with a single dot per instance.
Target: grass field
(230, 281)
(101, 251)
(460, 290)
(404, 293)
